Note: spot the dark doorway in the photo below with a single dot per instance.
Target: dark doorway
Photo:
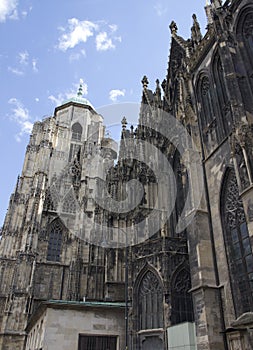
(152, 343)
(94, 342)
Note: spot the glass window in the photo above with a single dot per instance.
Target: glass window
(239, 252)
(77, 132)
(182, 308)
(97, 342)
(54, 242)
(150, 304)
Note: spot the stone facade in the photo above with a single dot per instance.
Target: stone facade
(67, 234)
(59, 325)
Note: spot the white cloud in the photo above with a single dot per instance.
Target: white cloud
(34, 65)
(77, 32)
(8, 9)
(114, 94)
(24, 62)
(77, 55)
(23, 58)
(103, 42)
(16, 71)
(58, 99)
(160, 9)
(20, 115)
(113, 27)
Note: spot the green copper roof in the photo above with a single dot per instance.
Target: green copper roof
(78, 98)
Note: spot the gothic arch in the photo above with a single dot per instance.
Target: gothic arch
(55, 232)
(244, 30)
(244, 35)
(182, 183)
(224, 112)
(148, 299)
(207, 115)
(77, 131)
(181, 300)
(237, 243)
(69, 202)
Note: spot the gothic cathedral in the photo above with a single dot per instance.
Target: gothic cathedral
(149, 246)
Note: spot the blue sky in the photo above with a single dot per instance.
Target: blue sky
(47, 46)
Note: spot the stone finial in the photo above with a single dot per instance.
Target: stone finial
(216, 3)
(208, 10)
(145, 82)
(163, 85)
(158, 89)
(173, 28)
(124, 123)
(195, 31)
(80, 90)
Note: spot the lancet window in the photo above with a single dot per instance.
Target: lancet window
(238, 247)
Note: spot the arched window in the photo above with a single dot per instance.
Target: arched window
(245, 38)
(77, 132)
(238, 247)
(181, 300)
(207, 115)
(247, 31)
(182, 184)
(150, 302)
(222, 96)
(206, 101)
(55, 241)
(69, 203)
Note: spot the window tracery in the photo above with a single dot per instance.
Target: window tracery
(55, 241)
(150, 302)
(245, 37)
(238, 247)
(182, 308)
(222, 96)
(207, 116)
(248, 34)
(77, 132)
(69, 203)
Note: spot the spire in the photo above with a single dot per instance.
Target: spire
(124, 123)
(145, 82)
(173, 28)
(195, 31)
(208, 9)
(80, 90)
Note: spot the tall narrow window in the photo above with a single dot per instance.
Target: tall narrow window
(181, 300)
(206, 101)
(55, 241)
(248, 35)
(245, 39)
(207, 120)
(182, 183)
(69, 203)
(222, 96)
(150, 302)
(77, 132)
(74, 151)
(238, 247)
